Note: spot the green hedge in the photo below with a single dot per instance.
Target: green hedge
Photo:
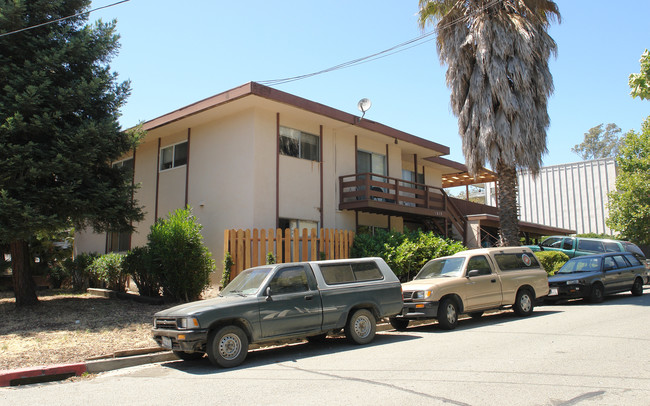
(405, 253)
(551, 261)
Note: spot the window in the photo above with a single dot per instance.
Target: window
(351, 272)
(611, 247)
(568, 244)
(371, 162)
(590, 245)
(513, 262)
(609, 264)
(552, 242)
(620, 261)
(173, 156)
(119, 241)
(299, 144)
(125, 163)
(479, 263)
(289, 280)
(633, 259)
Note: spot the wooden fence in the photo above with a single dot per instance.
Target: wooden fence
(249, 248)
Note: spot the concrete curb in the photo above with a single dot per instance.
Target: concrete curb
(26, 376)
(121, 359)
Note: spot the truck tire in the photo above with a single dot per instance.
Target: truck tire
(361, 327)
(188, 356)
(637, 287)
(448, 314)
(524, 303)
(597, 293)
(227, 347)
(399, 324)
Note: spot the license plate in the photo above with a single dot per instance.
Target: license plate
(167, 342)
(552, 292)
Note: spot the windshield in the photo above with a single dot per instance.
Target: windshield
(246, 283)
(441, 267)
(580, 265)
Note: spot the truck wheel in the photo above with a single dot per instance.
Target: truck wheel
(523, 303)
(637, 287)
(227, 347)
(399, 324)
(448, 314)
(188, 356)
(597, 293)
(361, 327)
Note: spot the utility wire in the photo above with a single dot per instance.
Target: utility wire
(382, 54)
(61, 19)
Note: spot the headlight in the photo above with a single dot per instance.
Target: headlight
(575, 282)
(186, 323)
(421, 294)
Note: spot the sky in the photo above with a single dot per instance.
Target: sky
(176, 53)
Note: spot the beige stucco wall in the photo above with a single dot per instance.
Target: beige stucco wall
(232, 175)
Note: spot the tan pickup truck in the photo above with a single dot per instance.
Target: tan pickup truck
(472, 282)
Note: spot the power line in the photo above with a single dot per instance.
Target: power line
(382, 54)
(61, 19)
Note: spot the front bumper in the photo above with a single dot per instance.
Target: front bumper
(181, 340)
(559, 292)
(418, 310)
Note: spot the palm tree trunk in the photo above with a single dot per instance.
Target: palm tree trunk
(508, 213)
(24, 287)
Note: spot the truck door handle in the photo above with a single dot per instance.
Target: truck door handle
(493, 281)
(309, 297)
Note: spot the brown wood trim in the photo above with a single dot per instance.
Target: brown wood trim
(320, 155)
(415, 167)
(187, 167)
(132, 196)
(387, 161)
(157, 181)
(356, 153)
(279, 96)
(277, 170)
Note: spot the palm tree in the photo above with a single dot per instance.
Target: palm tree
(497, 55)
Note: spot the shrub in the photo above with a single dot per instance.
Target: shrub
(108, 270)
(227, 266)
(137, 263)
(270, 258)
(78, 270)
(551, 261)
(405, 253)
(179, 256)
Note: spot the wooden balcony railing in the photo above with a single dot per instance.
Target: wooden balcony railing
(375, 193)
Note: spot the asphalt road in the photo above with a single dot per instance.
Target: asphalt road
(571, 354)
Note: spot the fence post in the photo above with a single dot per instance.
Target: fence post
(313, 240)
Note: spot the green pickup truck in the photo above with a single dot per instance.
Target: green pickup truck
(281, 301)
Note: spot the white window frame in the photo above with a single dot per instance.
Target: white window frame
(173, 161)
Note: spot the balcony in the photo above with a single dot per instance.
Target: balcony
(372, 193)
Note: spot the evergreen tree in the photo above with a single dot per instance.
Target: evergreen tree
(59, 130)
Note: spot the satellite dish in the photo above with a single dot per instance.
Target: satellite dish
(363, 105)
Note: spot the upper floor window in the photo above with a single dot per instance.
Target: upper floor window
(173, 156)
(299, 144)
(371, 162)
(125, 163)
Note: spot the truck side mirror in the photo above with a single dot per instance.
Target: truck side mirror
(267, 292)
(473, 273)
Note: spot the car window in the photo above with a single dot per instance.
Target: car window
(516, 261)
(568, 244)
(590, 245)
(479, 263)
(621, 262)
(634, 259)
(289, 280)
(441, 267)
(553, 242)
(633, 248)
(580, 264)
(611, 246)
(351, 272)
(608, 263)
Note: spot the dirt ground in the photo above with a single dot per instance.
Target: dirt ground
(68, 327)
